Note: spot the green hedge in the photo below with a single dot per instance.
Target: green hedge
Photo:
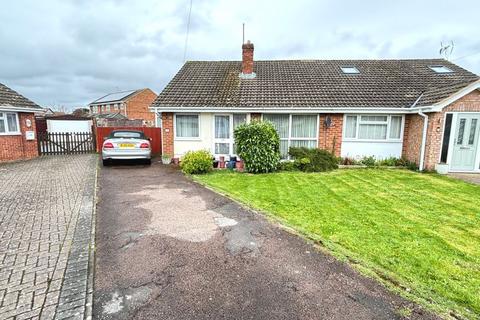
(258, 145)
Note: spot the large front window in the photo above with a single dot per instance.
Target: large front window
(294, 131)
(186, 126)
(373, 127)
(9, 123)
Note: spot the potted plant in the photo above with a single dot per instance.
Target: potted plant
(166, 158)
(441, 168)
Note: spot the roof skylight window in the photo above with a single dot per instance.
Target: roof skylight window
(350, 70)
(441, 69)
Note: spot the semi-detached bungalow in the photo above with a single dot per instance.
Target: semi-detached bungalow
(425, 110)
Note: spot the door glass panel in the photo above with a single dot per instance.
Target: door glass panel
(222, 148)
(222, 127)
(473, 131)
(461, 131)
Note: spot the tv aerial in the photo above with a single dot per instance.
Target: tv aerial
(446, 49)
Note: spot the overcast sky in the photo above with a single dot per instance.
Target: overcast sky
(70, 52)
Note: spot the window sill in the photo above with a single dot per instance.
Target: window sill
(373, 141)
(188, 139)
(10, 133)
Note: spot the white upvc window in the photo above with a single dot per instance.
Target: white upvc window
(294, 130)
(9, 124)
(187, 126)
(107, 108)
(373, 127)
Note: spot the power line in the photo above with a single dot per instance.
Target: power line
(188, 31)
(466, 56)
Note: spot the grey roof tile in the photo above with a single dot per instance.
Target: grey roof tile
(9, 97)
(309, 83)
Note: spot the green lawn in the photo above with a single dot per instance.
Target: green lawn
(417, 233)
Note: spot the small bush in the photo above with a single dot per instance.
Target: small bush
(368, 161)
(313, 160)
(388, 162)
(197, 162)
(287, 166)
(258, 145)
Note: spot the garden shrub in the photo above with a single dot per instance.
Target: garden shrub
(258, 145)
(313, 160)
(368, 161)
(287, 166)
(197, 162)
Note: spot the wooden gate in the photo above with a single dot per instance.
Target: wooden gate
(54, 143)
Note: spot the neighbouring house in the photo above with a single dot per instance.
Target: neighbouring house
(17, 126)
(425, 110)
(133, 104)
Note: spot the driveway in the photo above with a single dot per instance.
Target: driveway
(168, 248)
(46, 208)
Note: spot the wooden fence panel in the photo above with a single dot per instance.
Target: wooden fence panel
(56, 143)
(151, 132)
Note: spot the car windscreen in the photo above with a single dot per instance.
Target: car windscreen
(127, 134)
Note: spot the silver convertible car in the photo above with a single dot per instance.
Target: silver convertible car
(126, 144)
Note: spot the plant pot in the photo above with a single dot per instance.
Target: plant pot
(239, 165)
(441, 168)
(176, 161)
(166, 160)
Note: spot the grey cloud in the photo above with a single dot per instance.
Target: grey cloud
(72, 52)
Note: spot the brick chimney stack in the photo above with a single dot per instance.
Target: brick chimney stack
(247, 61)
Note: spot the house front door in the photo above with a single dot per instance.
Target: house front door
(465, 143)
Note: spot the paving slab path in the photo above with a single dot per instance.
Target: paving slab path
(168, 248)
(46, 214)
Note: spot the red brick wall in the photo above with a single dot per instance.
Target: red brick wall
(167, 133)
(16, 147)
(331, 138)
(137, 107)
(413, 132)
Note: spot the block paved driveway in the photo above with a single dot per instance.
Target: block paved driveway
(46, 207)
(167, 248)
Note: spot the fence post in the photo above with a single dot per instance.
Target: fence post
(68, 142)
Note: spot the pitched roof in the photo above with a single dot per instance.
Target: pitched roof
(116, 96)
(9, 97)
(311, 83)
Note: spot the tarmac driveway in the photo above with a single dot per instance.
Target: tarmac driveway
(168, 248)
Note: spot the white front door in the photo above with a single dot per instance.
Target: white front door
(465, 143)
(224, 126)
(222, 137)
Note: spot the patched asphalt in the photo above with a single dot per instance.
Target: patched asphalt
(168, 248)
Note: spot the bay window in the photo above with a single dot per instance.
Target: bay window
(294, 131)
(187, 126)
(373, 127)
(9, 123)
